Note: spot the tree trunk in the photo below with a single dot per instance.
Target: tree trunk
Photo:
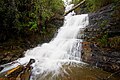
(74, 8)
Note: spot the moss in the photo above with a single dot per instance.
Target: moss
(104, 23)
(103, 41)
(114, 42)
(106, 42)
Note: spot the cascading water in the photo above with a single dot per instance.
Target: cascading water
(60, 59)
(64, 49)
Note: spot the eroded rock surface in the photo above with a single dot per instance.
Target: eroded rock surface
(101, 46)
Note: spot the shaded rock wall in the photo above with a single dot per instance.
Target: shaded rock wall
(101, 46)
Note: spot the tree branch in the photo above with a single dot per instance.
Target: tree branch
(74, 8)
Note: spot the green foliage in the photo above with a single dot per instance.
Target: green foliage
(93, 5)
(103, 24)
(114, 42)
(76, 1)
(18, 16)
(48, 9)
(103, 41)
(33, 26)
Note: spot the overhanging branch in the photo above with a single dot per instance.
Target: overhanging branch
(74, 8)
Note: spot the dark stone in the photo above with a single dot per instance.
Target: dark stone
(1, 68)
(102, 22)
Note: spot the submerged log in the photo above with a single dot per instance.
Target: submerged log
(74, 8)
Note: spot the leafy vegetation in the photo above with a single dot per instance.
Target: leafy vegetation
(93, 5)
(106, 42)
(19, 17)
(115, 42)
(76, 1)
(103, 41)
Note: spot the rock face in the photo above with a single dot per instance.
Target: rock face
(101, 46)
(109, 61)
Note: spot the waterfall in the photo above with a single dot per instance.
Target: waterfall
(63, 49)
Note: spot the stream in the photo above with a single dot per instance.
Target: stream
(60, 59)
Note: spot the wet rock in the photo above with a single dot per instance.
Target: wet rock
(98, 49)
(95, 56)
(1, 68)
(8, 56)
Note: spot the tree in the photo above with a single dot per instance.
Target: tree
(46, 10)
(20, 16)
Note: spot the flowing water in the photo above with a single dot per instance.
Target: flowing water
(60, 59)
(63, 50)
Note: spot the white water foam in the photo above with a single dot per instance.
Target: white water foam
(64, 49)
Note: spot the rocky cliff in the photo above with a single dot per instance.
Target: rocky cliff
(101, 46)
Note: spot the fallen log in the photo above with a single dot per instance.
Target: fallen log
(20, 72)
(74, 8)
(26, 73)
